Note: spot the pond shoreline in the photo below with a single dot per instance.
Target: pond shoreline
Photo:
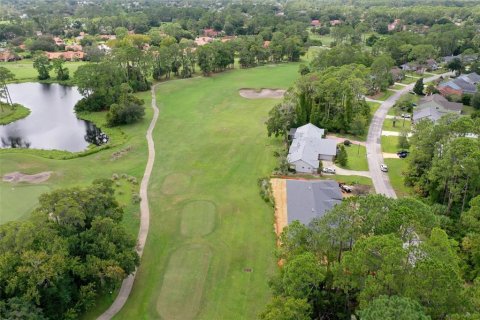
(19, 112)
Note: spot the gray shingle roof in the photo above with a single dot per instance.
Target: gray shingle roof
(309, 199)
(307, 144)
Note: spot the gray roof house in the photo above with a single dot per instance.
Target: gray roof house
(308, 148)
(434, 107)
(466, 83)
(309, 199)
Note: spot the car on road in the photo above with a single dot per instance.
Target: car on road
(384, 167)
(328, 170)
(402, 154)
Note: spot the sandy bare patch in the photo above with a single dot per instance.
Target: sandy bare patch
(279, 190)
(262, 93)
(14, 177)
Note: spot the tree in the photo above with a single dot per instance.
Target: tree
(475, 101)
(342, 156)
(431, 89)
(129, 109)
(280, 119)
(393, 308)
(62, 72)
(455, 65)
(381, 74)
(43, 66)
(418, 88)
(288, 308)
(403, 140)
(5, 76)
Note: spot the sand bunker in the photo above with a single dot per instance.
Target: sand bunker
(30, 178)
(262, 93)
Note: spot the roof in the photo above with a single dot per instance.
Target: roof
(472, 78)
(309, 130)
(466, 82)
(309, 199)
(439, 101)
(434, 107)
(307, 144)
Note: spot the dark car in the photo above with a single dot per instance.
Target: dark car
(402, 154)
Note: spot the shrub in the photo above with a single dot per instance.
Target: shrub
(347, 143)
(125, 112)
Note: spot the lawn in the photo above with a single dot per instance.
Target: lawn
(389, 144)
(409, 80)
(467, 110)
(397, 87)
(24, 71)
(357, 158)
(384, 95)
(9, 114)
(400, 124)
(396, 167)
(373, 106)
(210, 250)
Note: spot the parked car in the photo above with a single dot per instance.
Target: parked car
(406, 115)
(345, 188)
(384, 167)
(402, 154)
(328, 170)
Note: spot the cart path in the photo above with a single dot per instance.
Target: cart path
(127, 283)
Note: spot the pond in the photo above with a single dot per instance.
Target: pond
(52, 123)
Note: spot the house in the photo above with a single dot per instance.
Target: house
(67, 55)
(465, 58)
(310, 199)
(201, 41)
(434, 107)
(308, 148)
(7, 55)
(104, 48)
(464, 84)
(315, 23)
(413, 67)
(73, 47)
(210, 33)
(392, 26)
(397, 74)
(59, 41)
(432, 65)
(335, 22)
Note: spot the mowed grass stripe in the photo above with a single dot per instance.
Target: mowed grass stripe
(208, 132)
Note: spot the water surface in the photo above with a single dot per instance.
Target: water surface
(52, 123)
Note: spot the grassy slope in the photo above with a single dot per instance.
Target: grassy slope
(396, 167)
(211, 145)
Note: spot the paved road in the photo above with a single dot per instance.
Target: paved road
(380, 179)
(127, 283)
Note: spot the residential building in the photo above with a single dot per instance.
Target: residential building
(464, 84)
(309, 147)
(201, 41)
(310, 199)
(434, 107)
(315, 23)
(67, 55)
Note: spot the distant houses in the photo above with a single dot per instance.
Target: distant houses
(429, 65)
(67, 55)
(7, 56)
(310, 199)
(434, 107)
(309, 147)
(464, 84)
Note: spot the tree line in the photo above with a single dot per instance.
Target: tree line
(375, 258)
(71, 250)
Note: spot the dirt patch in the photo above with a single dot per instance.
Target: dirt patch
(14, 177)
(262, 93)
(279, 190)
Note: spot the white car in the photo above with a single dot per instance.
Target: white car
(328, 170)
(384, 167)
(406, 115)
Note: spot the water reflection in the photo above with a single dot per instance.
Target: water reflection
(52, 123)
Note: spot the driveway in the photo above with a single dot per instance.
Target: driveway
(380, 179)
(344, 172)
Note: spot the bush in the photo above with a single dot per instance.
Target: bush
(127, 112)
(347, 143)
(92, 103)
(466, 99)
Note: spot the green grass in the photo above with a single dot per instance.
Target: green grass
(211, 146)
(400, 124)
(384, 95)
(357, 158)
(18, 200)
(353, 180)
(467, 110)
(397, 87)
(24, 71)
(396, 167)
(389, 144)
(373, 106)
(9, 114)
(409, 80)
